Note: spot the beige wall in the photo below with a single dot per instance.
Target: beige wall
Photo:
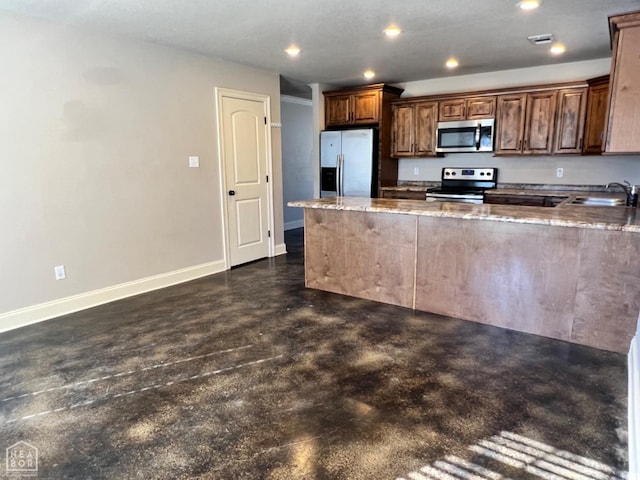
(95, 135)
(577, 169)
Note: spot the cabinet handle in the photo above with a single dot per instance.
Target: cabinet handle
(519, 144)
(580, 144)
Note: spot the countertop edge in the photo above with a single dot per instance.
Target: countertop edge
(574, 217)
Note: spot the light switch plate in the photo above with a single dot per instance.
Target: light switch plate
(194, 162)
(60, 272)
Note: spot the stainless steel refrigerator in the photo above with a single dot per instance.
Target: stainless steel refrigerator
(348, 163)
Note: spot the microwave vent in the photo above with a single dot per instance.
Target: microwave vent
(541, 39)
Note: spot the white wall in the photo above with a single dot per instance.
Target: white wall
(297, 156)
(577, 169)
(561, 72)
(95, 133)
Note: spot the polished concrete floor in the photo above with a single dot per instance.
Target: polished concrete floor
(248, 375)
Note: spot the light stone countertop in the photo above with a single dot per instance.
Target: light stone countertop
(625, 219)
(556, 193)
(515, 189)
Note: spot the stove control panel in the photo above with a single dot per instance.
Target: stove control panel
(484, 174)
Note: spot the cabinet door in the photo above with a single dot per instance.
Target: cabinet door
(623, 127)
(425, 129)
(570, 120)
(539, 122)
(450, 110)
(480, 107)
(365, 108)
(510, 123)
(402, 131)
(595, 119)
(337, 110)
(404, 194)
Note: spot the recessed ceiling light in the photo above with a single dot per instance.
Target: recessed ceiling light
(369, 74)
(292, 50)
(452, 63)
(392, 31)
(557, 49)
(529, 4)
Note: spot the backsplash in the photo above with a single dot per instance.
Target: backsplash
(577, 170)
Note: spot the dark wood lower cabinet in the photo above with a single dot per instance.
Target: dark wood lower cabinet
(404, 194)
(524, 200)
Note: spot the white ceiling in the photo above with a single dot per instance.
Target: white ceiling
(341, 38)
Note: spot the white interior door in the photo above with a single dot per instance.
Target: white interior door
(244, 144)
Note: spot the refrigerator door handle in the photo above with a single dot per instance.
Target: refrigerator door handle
(340, 174)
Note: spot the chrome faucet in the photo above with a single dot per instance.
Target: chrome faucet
(626, 187)
(630, 190)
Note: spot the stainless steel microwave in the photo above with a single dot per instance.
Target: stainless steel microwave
(466, 136)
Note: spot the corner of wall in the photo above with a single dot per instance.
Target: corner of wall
(63, 306)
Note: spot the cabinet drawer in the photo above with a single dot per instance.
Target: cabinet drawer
(404, 195)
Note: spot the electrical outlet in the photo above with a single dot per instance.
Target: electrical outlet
(416, 171)
(194, 162)
(60, 273)
(559, 172)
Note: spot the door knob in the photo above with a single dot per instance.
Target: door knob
(232, 192)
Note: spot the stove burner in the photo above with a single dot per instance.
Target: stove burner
(464, 185)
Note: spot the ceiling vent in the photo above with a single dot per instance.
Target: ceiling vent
(541, 39)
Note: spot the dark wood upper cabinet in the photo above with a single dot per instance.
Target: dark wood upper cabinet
(366, 107)
(358, 105)
(360, 108)
(525, 123)
(623, 119)
(413, 129)
(539, 123)
(467, 108)
(402, 130)
(338, 109)
(510, 124)
(425, 125)
(572, 104)
(596, 115)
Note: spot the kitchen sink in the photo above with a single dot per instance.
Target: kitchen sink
(599, 201)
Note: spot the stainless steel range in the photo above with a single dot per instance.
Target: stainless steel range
(464, 185)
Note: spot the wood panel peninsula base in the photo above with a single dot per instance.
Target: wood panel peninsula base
(570, 273)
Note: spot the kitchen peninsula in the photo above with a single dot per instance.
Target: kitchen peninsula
(569, 272)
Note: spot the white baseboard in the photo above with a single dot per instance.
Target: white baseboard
(294, 224)
(45, 311)
(281, 249)
(634, 409)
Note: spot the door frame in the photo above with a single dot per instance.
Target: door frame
(220, 93)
